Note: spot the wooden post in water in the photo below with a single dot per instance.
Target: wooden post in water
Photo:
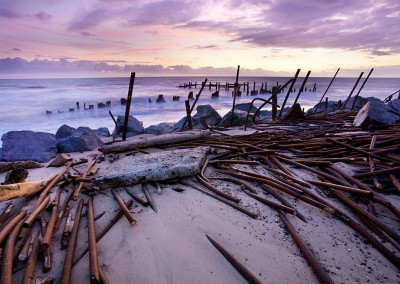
(289, 91)
(128, 105)
(302, 87)
(234, 94)
(362, 86)
(189, 118)
(325, 90)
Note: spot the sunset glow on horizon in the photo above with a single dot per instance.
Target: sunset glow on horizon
(49, 38)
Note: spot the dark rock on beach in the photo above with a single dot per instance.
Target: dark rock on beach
(394, 106)
(102, 131)
(76, 140)
(295, 112)
(206, 115)
(28, 145)
(162, 128)
(134, 127)
(239, 118)
(375, 112)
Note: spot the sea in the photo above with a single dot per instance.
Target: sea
(46, 104)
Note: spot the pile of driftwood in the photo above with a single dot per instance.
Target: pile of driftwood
(266, 161)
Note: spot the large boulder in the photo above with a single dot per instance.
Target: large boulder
(295, 112)
(206, 115)
(162, 128)
(245, 107)
(394, 106)
(76, 140)
(321, 107)
(102, 131)
(28, 145)
(375, 112)
(239, 118)
(134, 127)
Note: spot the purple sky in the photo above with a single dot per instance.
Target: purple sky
(198, 37)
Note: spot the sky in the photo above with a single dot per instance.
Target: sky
(69, 38)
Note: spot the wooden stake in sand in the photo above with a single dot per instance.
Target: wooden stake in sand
(128, 105)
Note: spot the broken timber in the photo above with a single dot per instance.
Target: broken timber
(153, 141)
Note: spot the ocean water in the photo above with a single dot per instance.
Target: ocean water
(24, 102)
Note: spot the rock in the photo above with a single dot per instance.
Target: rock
(28, 145)
(135, 126)
(375, 112)
(295, 112)
(162, 128)
(160, 99)
(332, 107)
(245, 107)
(360, 102)
(206, 115)
(394, 106)
(239, 118)
(102, 131)
(78, 140)
(64, 131)
(16, 176)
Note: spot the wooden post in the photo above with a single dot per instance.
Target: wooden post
(234, 94)
(128, 105)
(189, 118)
(274, 102)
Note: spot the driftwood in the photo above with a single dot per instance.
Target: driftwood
(8, 166)
(153, 141)
(24, 189)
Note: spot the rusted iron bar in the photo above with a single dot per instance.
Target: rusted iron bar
(372, 166)
(104, 231)
(50, 228)
(355, 86)
(389, 231)
(66, 232)
(149, 198)
(6, 212)
(290, 177)
(32, 217)
(227, 202)
(302, 87)
(289, 91)
(194, 103)
(395, 182)
(80, 184)
(235, 90)
(124, 209)
(242, 269)
(25, 249)
(139, 199)
(10, 225)
(47, 259)
(6, 268)
(326, 90)
(43, 194)
(309, 256)
(217, 191)
(379, 172)
(93, 261)
(62, 209)
(280, 165)
(128, 105)
(271, 203)
(67, 268)
(103, 276)
(362, 86)
(242, 162)
(342, 187)
(251, 105)
(29, 272)
(239, 182)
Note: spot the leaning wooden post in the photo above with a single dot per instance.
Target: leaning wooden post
(128, 105)
(355, 85)
(362, 86)
(234, 94)
(302, 87)
(274, 102)
(189, 118)
(289, 91)
(195, 101)
(326, 90)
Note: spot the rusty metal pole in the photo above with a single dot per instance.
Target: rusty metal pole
(29, 272)
(234, 94)
(67, 269)
(355, 86)
(94, 263)
(326, 90)
(128, 105)
(362, 86)
(302, 87)
(289, 91)
(123, 208)
(309, 256)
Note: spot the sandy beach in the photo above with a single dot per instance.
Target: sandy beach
(171, 246)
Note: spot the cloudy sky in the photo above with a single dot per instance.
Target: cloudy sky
(197, 37)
